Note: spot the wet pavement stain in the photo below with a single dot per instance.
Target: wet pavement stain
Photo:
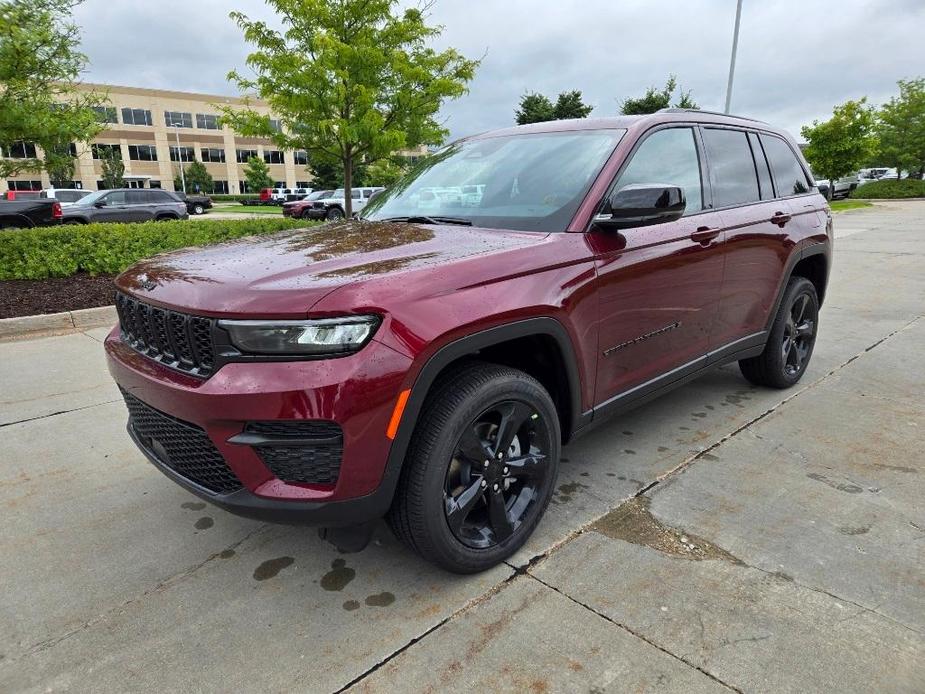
(564, 460)
(849, 530)
(627, 433)
(585, 474)
(271, 567)
(629, 451)
(840, 486)
(351, 605)
(662, 449)
(611, 474)
(204, 523)
(897, 468)
(226, 554)
(633, 522)
(338, 577)
(710, 407)
(710, 456)
(698, 414)
(193, 505)
(735, 400)
(566, 491)
(383, 599)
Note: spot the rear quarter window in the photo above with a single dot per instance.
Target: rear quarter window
(789, 175)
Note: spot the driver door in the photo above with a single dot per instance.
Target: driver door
(658, 286)
(113, 209)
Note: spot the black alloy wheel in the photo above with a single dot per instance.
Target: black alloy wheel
(497, 474)
(799, 335)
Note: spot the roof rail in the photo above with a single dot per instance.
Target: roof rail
(675, 109)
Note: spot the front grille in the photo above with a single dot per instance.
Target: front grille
(177, 340)
(181, 446)
(308, 452)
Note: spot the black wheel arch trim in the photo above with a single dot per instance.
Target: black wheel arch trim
(815, 249)
(451, 352)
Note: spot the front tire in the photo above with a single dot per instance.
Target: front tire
(480, 470)
(334, 213)
(791, 340)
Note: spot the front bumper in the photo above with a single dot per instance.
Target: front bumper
(357, 392)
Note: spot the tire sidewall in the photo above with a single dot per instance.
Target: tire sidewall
(797, 288)
(451, 551)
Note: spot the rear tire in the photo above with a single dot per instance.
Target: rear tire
(791, 340)
(480, 469)
(199, 209)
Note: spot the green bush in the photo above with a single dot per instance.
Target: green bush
(61, 251)
(892, 188)
(221, 197)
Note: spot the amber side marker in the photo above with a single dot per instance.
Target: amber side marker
(397, 412)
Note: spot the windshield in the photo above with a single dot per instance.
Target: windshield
(318, 194)
(530, 182)
(91, 198)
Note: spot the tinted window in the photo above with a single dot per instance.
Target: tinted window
(764, 173)
(788, 174)
(670, 157)
(138, 197)
(733, 169)
(207, 121)
(136, 116)
(116, 198)
(355, 194)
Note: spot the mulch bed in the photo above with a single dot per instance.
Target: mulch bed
(29, 297)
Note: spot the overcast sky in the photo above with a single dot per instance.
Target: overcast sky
(796, 58)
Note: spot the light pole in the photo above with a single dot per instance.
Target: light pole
(179, 155)
(732, 59)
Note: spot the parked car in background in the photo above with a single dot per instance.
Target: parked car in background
(427, 363)
(126, 205)
(298, 194)
(26, 213)
(280, 195)
(195, 204)
(265, 197)
(843, 186)
(66, 196)
(296, 208)
(334, 205)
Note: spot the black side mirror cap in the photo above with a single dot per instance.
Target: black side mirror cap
(641, 204)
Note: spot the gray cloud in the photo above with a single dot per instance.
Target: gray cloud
(796, 59)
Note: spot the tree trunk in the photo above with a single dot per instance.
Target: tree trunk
(348, 186)
(830, 193)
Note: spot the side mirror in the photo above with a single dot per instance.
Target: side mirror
(100, 203)
(641, 204)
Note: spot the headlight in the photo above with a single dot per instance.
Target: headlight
(324, 336)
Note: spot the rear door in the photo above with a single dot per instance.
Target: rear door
(756, 245)
(141, 205)
(658, 285)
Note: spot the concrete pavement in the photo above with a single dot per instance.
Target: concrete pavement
(723, 537)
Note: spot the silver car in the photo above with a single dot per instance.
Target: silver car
(126, 205)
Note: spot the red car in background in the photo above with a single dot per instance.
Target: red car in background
(296, 208)
(427, 362)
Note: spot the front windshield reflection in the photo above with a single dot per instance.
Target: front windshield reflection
(528, 182)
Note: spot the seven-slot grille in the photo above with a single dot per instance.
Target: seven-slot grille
(178, 340)
(181, 446)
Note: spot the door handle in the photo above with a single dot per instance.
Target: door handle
(705, 234)
(780, 219)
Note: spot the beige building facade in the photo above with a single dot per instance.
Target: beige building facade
(156, 131)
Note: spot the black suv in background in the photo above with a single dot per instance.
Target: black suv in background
(126, 205)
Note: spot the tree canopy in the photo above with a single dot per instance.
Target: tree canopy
(257, 175)
(39, 67)
(656, 99)
(198, 178)
(900, 128)
(537, 108)
(840, 145)
(112, 169)
(350, 80)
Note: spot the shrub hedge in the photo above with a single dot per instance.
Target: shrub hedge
(61, 251)
(892, 188)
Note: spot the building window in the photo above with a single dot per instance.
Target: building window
(106, 114)
(219, 187)
(136, 116)
(213, 154)
(300, 157)
(142, 152)
(100, 150)
(24, 185)
(178, 118)
(207, 121)
(21, 150)
(154, 184)
(272, 156)
(279, 184)
(275, 126)
(303, 184)
(244, 155)
(184, 154)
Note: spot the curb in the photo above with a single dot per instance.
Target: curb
(57, 323)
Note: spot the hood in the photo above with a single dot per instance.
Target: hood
(285, 274)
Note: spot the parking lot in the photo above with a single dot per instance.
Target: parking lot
(723, 537)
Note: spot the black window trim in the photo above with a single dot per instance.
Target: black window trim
(810, 182)
(706, 186)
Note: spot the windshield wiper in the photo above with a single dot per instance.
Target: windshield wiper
(423, 219)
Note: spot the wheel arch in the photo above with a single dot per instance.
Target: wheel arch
(812, 262)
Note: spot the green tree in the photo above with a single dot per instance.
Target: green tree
(198, 178)
(537, 108)
(900, 128)
(39, 67)
(386, 171)
(350, 80)
(60, 162)
(257, 175)
(326, 174)
(112, 168)
(654, 99)
(840, 145)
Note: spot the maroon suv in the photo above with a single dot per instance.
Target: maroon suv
(427, 362)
